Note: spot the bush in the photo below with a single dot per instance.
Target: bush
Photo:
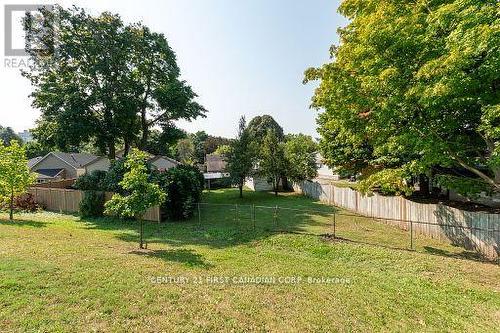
(93, 181)
(92, 204)
(26, 203)
(184, 186)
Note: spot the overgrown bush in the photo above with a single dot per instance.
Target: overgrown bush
(93, 181)
(386, 182)
(26, 203)
(92, 204)
(184, 186)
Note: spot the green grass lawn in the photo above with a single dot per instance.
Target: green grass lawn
(62, 273)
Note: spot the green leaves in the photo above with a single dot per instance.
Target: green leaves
(413, 83)
(142, 194)
(15, 176)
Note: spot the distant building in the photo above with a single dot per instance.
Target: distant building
(57, 166)
(26, 136)
(215, 163)
(324, 171)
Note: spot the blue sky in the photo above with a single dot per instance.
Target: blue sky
(244, 57)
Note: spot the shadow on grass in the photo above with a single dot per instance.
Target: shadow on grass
(469, 255)
(184, 256)
(23, 223)
(226, 225)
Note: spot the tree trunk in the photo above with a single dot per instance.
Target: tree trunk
(286, 185)
(141, 231)
(11, 205)
(111, 149)
(126, 147)
(423, 182)
(145, 130)
(241, 190)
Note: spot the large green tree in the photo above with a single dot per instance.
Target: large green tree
(414, 86)
(300, 154)
(240, 156)
(15, 176)
(259, 126)
(141, 195)
(103, 81)
(7, 135)
(273, 163)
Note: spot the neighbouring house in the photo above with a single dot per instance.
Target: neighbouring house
(258, 183)
(158, 162)
(56, 166)
(324, 172)
(215, 163)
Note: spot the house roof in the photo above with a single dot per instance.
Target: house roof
(157, 157)
(75, 160)
(215, 162)
(49, 173)
(33, 161)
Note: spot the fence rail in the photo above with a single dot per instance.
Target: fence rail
(473, 230)
(68, 201)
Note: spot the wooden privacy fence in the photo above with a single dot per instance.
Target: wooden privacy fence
(68, 201)
(478, 231)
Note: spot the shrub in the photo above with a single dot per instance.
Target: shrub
(184, 186)
(386, 182)
(92, 204)
(26, 202)
(93, 181)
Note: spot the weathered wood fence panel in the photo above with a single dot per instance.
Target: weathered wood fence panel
(478, 231)
(68, 201)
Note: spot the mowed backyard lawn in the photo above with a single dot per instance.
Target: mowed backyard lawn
(63, 273)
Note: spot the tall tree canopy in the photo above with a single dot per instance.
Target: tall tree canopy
(414, 86)
(240, 156)
(15, 176)
(260, 125)
(7, 135)
(103, 81)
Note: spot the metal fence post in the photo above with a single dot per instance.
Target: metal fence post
(199, 213)
(236, 216)
(334, 225)
(411, 234)
(253, 216)
(276, 216)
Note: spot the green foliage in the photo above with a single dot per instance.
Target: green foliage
(94, 181)
(469, 187)
(213, 143)
(273, 163)
(184, 186)
(124, 83)
(114, 176)
(7, 135)
(241, 156)
(163, 142)
(387, 182)
(185, 151)
(413, 82)
(141, 193)
(259, 126)
(300, 153)
(92, 204)
(223, 150)
(35, 149)
(15, 176)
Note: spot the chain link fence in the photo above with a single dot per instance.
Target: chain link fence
(339, 225)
